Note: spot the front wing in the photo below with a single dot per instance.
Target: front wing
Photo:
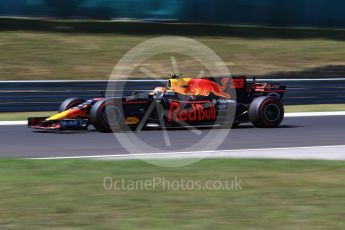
(66, 124)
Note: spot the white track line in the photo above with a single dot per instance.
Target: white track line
(335, 152)
(13, 123)
(315, 114)
(304, 114)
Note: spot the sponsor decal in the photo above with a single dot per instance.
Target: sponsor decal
(169, 93)
(73, 124)
(223, 101)
(132, 120)
(197, 112)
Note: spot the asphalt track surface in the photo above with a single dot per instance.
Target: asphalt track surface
(19, 141)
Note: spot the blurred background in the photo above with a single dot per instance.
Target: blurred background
(263, 12)
(83, 39)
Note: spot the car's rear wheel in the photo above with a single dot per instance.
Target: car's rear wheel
(266, 112)
(70, 103)
(107, 115)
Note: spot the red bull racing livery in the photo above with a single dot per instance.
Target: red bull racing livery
(223, 102)
(196, 112)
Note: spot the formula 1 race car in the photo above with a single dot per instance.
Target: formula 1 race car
(184, 102)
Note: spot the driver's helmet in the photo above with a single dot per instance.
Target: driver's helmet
(176, 75)
(159, 90)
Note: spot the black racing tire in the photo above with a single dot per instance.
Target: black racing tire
(266, 112)
(70, 103)
(107, 115)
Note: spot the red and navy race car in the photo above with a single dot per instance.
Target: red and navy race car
(184, 102)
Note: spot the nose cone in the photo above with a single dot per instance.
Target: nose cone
(68, 114)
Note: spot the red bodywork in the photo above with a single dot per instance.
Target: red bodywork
(199, 86)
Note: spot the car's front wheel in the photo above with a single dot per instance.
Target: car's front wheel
(107, 115)
(70, 103)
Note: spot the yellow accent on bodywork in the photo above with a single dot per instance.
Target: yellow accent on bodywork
(68, 114)
(179, 85)
(132, 120)
(59, 116)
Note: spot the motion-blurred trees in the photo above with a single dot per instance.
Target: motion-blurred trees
(64, 7)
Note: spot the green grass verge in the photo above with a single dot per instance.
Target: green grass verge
(34, 49)
(288, 109)
(70, 195)
(315, 108)
(23, 115)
